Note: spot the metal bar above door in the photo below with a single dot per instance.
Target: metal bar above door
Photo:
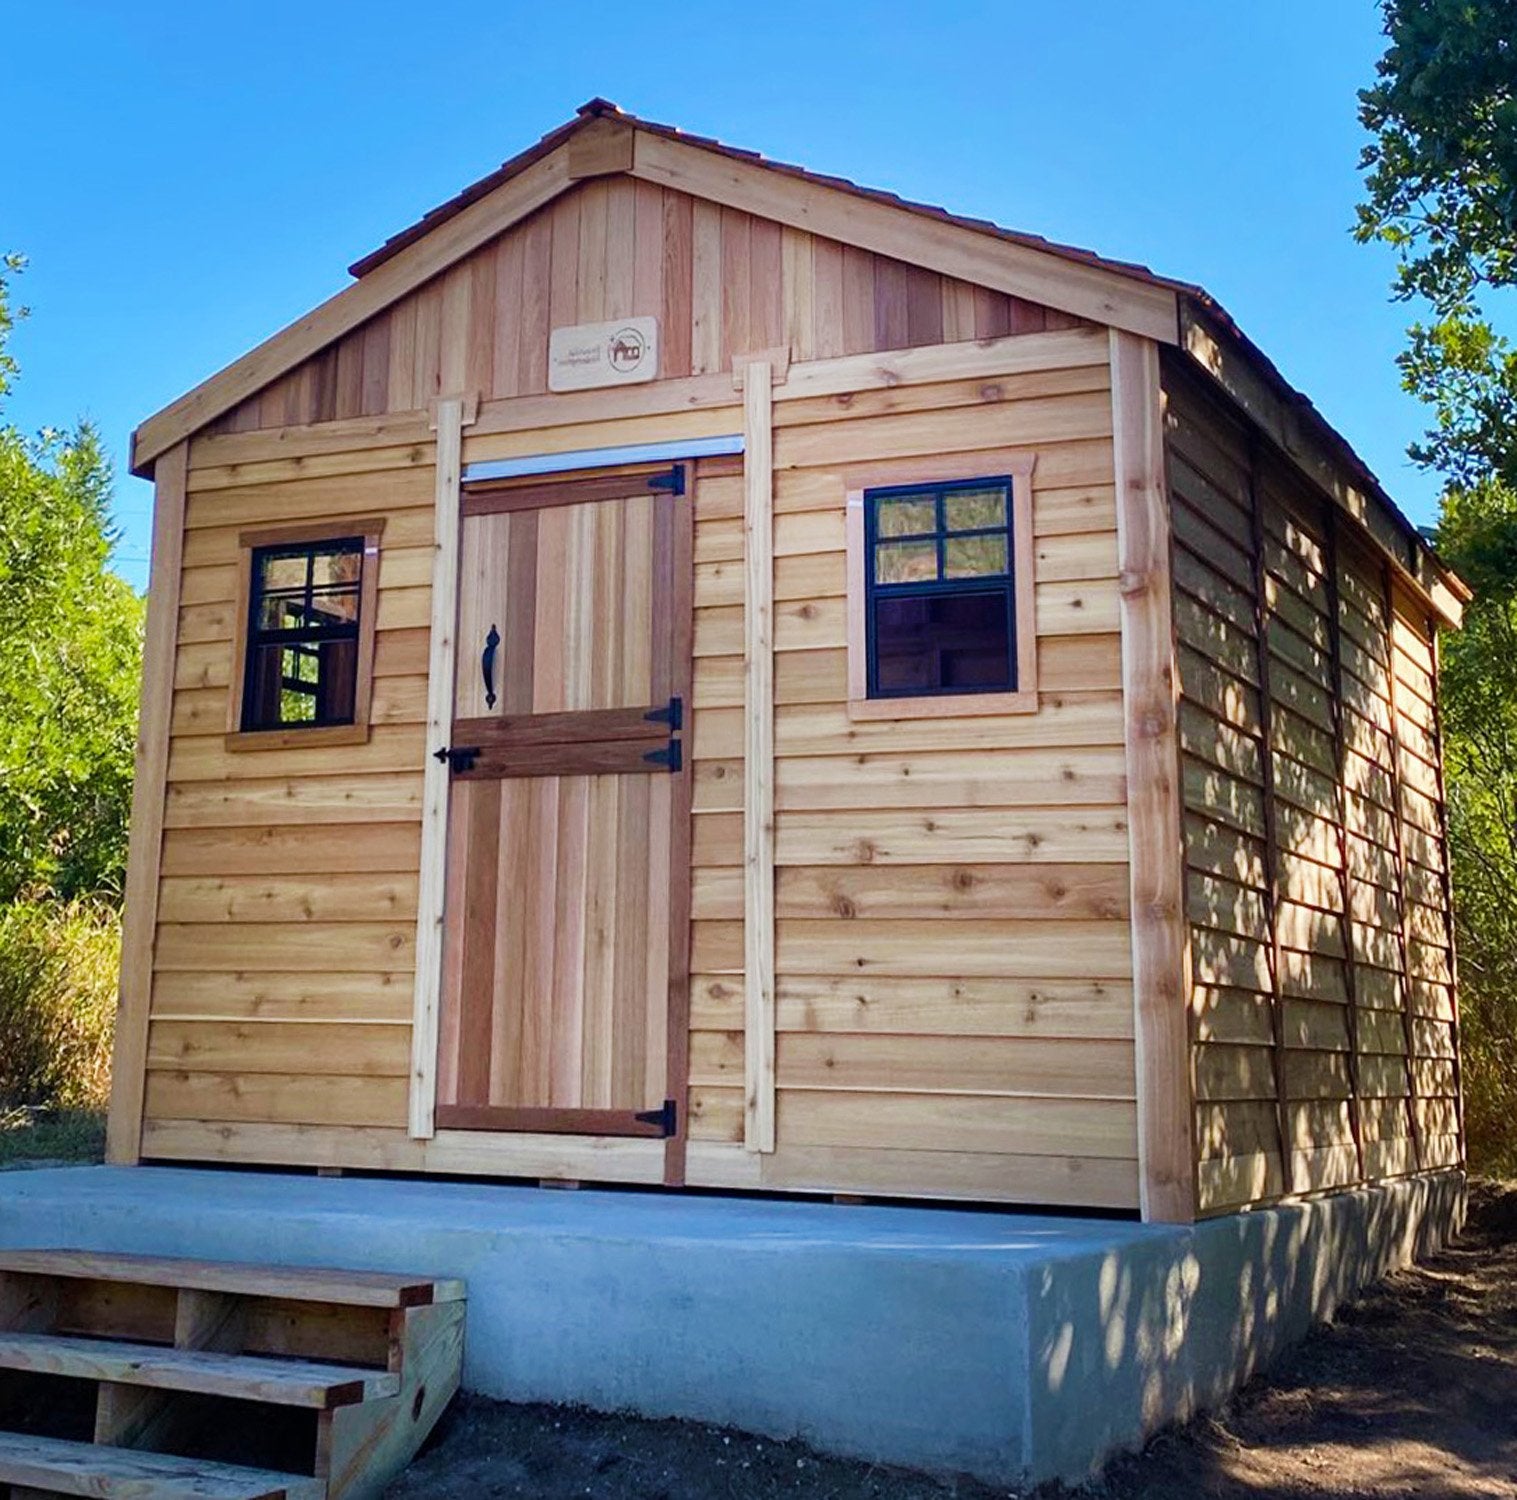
(602, 458)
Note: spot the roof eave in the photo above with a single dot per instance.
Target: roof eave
(1202, 316)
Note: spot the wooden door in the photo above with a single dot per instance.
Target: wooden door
(565, 968)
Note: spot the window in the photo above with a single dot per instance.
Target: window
(940, 593)
(306, 647)
(940, 597)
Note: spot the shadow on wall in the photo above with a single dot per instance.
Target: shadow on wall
(1169, 1325)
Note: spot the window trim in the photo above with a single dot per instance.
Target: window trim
(990, 468)
(292, 737)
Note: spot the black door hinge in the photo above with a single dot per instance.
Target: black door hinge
(458, 760)
(672, 714)
(669, 757)
(672, 483)
(664, 1117)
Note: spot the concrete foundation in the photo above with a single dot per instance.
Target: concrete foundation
(1009, 1346)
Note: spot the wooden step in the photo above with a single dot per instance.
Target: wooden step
(52, 1466)
(247, 1377)
(350, 1368)
(295, 1283)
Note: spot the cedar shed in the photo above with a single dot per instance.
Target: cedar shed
(693, 672)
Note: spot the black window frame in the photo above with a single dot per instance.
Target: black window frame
(941, 586)
(308, 636)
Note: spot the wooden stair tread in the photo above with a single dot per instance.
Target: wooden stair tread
(105, 1473)
(249, 1377)
(295, 1283)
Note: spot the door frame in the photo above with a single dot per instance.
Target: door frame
(610, 480)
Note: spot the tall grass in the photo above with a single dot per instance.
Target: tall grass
(58, 967)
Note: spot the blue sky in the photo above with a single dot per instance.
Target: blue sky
(185, 179)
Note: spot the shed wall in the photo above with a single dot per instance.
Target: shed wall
(1322, 1004)
(954, 995)
(954, 1000)
(285, 951)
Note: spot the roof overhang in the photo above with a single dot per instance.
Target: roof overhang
(1289, 420)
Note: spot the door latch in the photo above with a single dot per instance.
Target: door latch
(461, 759)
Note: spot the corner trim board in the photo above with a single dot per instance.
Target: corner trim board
(149, 790)
(1150, 686)
(758, 759)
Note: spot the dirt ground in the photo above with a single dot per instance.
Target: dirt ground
(1411, 1392)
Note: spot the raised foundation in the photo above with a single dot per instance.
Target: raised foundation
(1006, 1345)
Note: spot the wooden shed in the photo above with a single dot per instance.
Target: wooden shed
(692, 672)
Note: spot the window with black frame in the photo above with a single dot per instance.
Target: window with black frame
(939, 601)
(303, 634)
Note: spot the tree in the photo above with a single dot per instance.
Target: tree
(1441, 179)
(70, 654)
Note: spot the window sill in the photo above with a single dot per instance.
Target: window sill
(297, 739)
(943, 706)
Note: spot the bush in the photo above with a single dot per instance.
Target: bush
(58, 967)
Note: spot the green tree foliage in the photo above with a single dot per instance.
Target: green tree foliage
(1441, 179)
(70, 654)
(1479, 681)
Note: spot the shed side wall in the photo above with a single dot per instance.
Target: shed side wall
(1322, 1006)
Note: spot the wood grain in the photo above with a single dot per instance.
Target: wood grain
(435, 787)
(144, 856)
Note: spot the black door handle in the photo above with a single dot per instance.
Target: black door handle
(457, 758)
(487, 665)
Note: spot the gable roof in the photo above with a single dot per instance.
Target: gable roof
(602, 139)
(604, 109)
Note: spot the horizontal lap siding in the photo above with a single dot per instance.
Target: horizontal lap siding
(1313, 1069)
(1432, 1039)
(285, 953)
(953, 967)
(721, 283)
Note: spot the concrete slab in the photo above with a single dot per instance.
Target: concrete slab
(1010, 1346)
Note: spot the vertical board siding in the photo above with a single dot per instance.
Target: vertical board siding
(722, 283)
(1308, 864)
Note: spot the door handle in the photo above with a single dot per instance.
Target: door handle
(487, 665)
(457, 758)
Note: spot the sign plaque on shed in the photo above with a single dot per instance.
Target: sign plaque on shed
(589, 355)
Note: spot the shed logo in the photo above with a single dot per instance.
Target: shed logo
(600, 354)
(627, 350)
